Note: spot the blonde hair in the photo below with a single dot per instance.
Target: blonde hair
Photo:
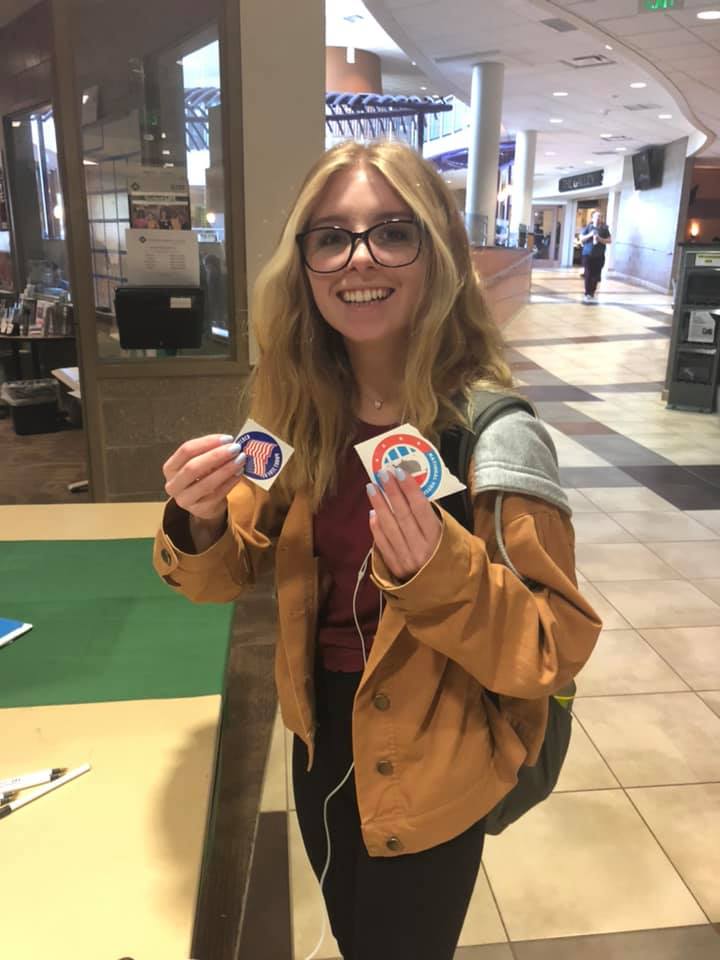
(302, 387)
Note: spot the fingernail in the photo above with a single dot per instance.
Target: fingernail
(234, 448)
(241, 459)
(384, 476)
(371, 490)
(372, 514)
(400, 474)
(225, 438)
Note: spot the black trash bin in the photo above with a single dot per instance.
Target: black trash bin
(33, 405)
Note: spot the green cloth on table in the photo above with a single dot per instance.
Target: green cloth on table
(105, 627)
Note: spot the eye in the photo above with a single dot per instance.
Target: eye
(395, 233)
(329, 238)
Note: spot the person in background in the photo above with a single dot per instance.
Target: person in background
(594, 238)
(394, 619)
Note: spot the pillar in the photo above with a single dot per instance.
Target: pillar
(485, 121)
(522, 185)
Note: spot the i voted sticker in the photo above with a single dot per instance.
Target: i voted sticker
(413, 454)
(266, 454)
(406, 448)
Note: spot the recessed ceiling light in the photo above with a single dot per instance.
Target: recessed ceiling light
(709, 15)
(589, 162)
(423, 88)
(607, 136)
(556, 120)
(560, 93)
(620, 149)
(413, 63)
(664, 116)
(608, 47)
(638, 85)
(549, 153)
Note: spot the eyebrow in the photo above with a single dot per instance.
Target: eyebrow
(342, 220)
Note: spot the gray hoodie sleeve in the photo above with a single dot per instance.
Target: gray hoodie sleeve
(516, 454)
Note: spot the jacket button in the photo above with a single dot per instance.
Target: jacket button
(165, 556)
(384, 767)
(392, 843)
(381, 701)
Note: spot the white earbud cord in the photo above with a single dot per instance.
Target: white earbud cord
(360, 577)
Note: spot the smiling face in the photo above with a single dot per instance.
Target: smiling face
(365, 302)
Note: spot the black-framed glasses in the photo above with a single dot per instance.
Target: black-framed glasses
(392, 243)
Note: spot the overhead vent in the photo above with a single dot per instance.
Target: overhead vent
(562, 26)
(618, 138)
(642, 106)
(354, 18)
(593, 60)
(461, 57)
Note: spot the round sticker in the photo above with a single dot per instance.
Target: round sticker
(414, 455)
(264, 456)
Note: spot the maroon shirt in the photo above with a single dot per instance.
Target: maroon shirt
(342, 541)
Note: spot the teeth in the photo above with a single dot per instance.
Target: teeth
(364, 296)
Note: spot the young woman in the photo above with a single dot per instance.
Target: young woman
(369, 315)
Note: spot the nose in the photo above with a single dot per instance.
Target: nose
(361, 258)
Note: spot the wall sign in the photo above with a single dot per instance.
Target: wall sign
(650, 6)
(581, 181)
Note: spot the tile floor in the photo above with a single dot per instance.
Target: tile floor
(623, 861)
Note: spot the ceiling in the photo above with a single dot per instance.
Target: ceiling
(676, 55)
(11, 9)
(348, 23)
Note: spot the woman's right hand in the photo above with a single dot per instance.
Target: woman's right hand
(200, 475)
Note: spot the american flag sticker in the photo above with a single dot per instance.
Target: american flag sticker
(266, 454)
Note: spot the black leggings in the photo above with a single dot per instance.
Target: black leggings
(593, 271)
(380, 908)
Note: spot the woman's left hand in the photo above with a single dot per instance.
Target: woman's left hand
(408, 534)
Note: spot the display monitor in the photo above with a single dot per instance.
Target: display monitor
(648, 168)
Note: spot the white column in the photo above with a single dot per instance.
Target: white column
(482, 176)
(523, 173)
(611, 218)
(278, 66)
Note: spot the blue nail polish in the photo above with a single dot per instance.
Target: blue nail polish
(233, 448)
(384, 476)
(372, 514)
(226, 438)
(400, 474)
(371, 490)
(241, 459)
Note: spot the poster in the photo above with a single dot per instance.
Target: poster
(162, 258)
(159, 199)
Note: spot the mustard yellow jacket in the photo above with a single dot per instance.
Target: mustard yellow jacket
(432, 753)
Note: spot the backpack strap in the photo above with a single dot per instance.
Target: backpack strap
(457, 448)
(485, 406)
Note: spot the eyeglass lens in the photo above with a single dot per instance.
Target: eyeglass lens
(327, 249)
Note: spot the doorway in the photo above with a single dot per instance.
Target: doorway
(547, 232)
(584, 212)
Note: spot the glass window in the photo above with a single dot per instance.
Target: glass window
(38, 213)
(153, 160)
(7, 280)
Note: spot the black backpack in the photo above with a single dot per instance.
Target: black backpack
(536, 783)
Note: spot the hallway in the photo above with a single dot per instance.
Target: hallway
(619, 863)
